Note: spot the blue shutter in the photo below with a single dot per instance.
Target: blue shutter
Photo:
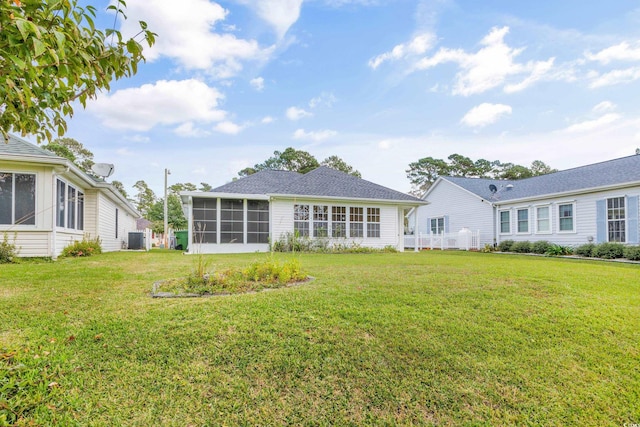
(428, 226)
(601, 221)
(446, 224)
(632, 219)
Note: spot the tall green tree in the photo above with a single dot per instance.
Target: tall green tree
(335, 162)
(144, 199)
(175, 214)
(74, 151)
(53, 55)
(120, 187)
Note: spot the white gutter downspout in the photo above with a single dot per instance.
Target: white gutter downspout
(416, 231)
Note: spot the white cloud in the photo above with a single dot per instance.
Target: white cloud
(325, 98)
(295, 113)
(613, 77)
(280, 14)
(188, 130)
(604, 106)
(490, 66)
(257, 84)
(417, 46)
(267, 119)
(167, 102)
(620, 52)
(485, 114)
(228, 127)
(124, 152)
(590, 125)
(316, 136)
(187, 35)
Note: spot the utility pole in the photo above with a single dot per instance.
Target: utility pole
(166, 217)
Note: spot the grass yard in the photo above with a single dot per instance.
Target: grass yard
(434, 338)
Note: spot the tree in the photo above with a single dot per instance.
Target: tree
(145, 198)
(120, 187)
(424, 172)
(298, 161)
(74, 151)
(335, 162)
(175, 215)
(178, 187)
(52, 55)
(205, 187)
(538, 167)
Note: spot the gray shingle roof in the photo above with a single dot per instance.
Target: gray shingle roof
(320, 182)
(20, 147)
(607, 173)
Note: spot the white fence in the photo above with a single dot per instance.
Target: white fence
(464, 239)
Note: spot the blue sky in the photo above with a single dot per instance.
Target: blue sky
(378, 83)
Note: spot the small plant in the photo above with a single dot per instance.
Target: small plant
(83, 248)
(632, 253)
(559, 250)
(523, 247)
(488, 248)
(8, 250)
(585, 250)
(540, 247)
(505, 245)
(609, 250)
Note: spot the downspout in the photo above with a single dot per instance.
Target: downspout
(416, 231)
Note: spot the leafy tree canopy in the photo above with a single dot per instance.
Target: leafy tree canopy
(175, 215)
(52, 55)
(298, 161)
(120, 187)
(425, 171)
(144, 199)
(73, 150)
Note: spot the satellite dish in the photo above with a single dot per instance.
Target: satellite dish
(493, 188)
(102, 169)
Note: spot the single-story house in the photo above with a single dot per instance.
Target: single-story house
(593, 203)
(247, 214)
(47, 202)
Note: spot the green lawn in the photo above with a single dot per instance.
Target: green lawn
(433, 338)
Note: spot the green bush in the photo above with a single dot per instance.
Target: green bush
(523, 247)
(8, 250)
(505, 245)
(559, 250)
(585, 250)
(82, 248)
(540, 247)
(632, 253)
(609, 250)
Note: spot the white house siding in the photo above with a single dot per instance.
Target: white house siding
(459, 208)
(107, 224)
(390, 225)
(585, 217)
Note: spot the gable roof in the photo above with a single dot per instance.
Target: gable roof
(19, 147)
(321, 182)
(625, 170)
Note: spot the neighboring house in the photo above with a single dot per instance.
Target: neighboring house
(47, 202)
(594, 203)
(247, 214)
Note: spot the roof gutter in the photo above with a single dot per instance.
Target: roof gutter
(364, 200)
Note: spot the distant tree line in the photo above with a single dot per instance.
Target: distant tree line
(424, 172)
(299, 161)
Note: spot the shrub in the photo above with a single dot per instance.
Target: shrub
(540, 247)
(585, 250)
(8, 250)
(488, 248)
(609, 250)
(505, 245)
(632, 253)
(82, 248)
(558, 250)
(523, 247)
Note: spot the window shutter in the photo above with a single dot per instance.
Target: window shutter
(632, 219)
(446, 224)
(428, 226)
(601, 221)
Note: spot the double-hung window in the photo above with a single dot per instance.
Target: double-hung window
(17, 198)
(566, 217)
(338, 221)
(356, 222)
(616, 220)
(505, 222)
(543, 219)
(320, 221)
(70, 206)
(373, 222)
(301, 220)
(523, 220)
(436, 225)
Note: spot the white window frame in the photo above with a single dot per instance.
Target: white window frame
(623, 220)
(500, 211)
(517, 211)
(573, 216)
(437, 225)
(537, 218)
(13, 223)
(77, 215)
